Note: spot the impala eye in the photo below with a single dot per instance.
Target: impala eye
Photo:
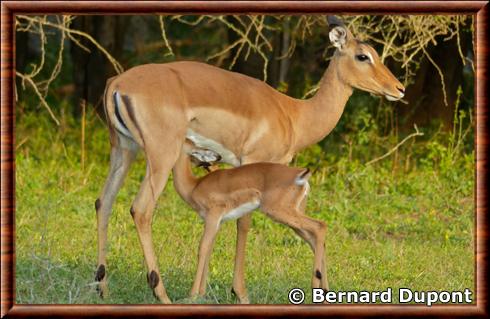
(362, 57)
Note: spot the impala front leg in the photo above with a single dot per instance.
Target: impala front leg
(205, 250)
(239, 287)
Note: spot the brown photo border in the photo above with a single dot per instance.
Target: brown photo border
(479, 9)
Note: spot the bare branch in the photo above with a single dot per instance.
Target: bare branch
(29, 80)
(119, 69)
(417, 133)
(164, 36)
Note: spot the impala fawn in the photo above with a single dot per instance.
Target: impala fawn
(277, 190)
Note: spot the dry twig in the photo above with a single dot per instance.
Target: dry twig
(417, 133)
(38, 25)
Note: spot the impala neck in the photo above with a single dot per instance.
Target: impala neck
(318, 115)
(184, 179)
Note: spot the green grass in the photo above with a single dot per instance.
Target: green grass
(386, 227)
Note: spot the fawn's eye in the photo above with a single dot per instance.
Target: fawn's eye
(362, 57)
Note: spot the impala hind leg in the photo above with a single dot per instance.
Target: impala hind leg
(239, 288)
(318, 273)
(313, 232)
(316, 231)
(157, 171)
(121, 159)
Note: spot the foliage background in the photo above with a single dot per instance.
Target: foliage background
(399, 204)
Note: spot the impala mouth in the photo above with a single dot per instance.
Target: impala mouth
(372, 92)
(400, 90)
(391, 97)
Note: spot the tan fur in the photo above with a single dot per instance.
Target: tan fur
(245, 116)
(277, 190)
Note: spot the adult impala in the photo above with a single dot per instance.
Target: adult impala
(156, 107)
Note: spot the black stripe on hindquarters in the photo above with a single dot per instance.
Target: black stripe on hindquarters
(130, 109)
(116, 110)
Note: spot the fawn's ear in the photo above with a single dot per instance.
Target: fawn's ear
(302, 177)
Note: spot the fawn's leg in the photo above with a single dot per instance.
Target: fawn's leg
(239, 288)
(205, 248)
(317, 230)
(202, 287)
(324, 280)
(121, 159)
(313, 232)
(301, 210)
(311, 242)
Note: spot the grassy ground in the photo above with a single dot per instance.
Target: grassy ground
(386, 228)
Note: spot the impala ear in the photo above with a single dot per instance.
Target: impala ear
(338, 37)
(339, 34)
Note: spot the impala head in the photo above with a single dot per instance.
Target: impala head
(360, 65)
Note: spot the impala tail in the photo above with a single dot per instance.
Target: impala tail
(302, 178)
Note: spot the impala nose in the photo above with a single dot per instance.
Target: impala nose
(401, 90)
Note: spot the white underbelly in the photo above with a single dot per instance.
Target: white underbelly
(203, 142)
(241, 210)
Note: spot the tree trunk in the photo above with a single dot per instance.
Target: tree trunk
(425, 96)
(92, 69)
